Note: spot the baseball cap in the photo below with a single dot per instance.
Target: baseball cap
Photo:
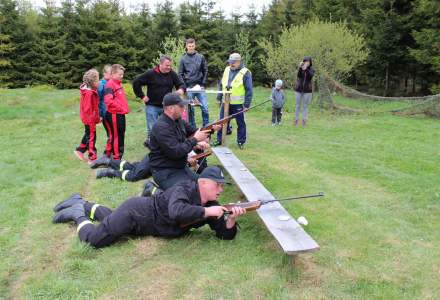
(174, 99)
(213, 173)
(234, 57)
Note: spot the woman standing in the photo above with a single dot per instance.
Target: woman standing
(303, 89)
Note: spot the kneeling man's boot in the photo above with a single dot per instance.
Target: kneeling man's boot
(73, 199)
(110, 173)
(71, 213)
(103, 161)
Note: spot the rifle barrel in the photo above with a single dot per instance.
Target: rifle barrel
(321, 194)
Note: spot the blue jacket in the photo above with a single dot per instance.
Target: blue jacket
(101, 105)
(247, 82)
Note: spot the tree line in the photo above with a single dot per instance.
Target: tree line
(55, 44)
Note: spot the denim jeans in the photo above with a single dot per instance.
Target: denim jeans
(152, 113)
(204, 107)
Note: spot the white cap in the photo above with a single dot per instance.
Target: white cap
(234, 57)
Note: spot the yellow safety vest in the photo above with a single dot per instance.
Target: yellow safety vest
(237, 91)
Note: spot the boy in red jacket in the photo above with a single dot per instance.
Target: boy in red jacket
(117, 107)
(89, 114)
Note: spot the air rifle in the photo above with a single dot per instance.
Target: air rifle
(254, 205)
(208, 152)
(227, 118)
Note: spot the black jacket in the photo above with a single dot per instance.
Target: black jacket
(193, 69)
(179, 208)
(169, 143)
(304, 80)
(158, 85)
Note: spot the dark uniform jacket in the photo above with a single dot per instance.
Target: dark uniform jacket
(169, 143)
(178, 209)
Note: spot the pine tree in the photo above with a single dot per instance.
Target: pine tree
(6, 48)
(23, 57)
(50, 46)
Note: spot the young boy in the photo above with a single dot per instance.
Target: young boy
(89, 114)
(277, 102)
(117, 107)
(106, 73)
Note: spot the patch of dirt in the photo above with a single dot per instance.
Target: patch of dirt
(146, 249)
(311, 274)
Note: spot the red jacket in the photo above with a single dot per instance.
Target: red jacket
(114, 98)
(88, 108)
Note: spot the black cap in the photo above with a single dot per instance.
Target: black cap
(174, 99)
(213, 173)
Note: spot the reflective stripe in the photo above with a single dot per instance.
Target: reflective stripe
(238, 91)
(92, 211)
(121, 165)
(236, 98)
(81, 225)
(153, 191)
(124, 174)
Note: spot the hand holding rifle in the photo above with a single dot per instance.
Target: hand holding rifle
(201, 134)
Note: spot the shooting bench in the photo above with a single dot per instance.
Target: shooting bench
(289, 234)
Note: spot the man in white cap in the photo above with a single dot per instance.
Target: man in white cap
(238, 80)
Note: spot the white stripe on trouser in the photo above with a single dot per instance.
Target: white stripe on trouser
(121, 165)
(81, 225)
(125, 174)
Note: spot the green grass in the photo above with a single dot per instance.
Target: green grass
(378, 226)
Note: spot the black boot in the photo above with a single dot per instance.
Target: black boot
(73, 199)
(110, 173)
(71, 213)
(103, 161)
(150, 189)
(147, 143)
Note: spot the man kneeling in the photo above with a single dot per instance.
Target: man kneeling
(172, 213)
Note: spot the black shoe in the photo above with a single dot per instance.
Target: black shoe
(73, 199)
(71, 213)
(216, 143)
(240, 145)
(229, 130)
(110, 173)
(103, 161)
(147, 143)
(150, 189)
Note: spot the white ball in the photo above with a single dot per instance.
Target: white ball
(303, 221)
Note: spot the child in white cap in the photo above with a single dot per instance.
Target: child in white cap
(277, 102)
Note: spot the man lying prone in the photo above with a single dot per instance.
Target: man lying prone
(172, 213)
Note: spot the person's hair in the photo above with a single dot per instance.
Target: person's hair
(190, 41)
(117, 67)
(90, 77)
(106, 68)
(164, 58)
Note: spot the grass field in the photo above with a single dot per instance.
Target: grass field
(378, 226)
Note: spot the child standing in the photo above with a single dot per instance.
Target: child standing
(106, 73)
(89, 114)
(117, 107)
(277, 102)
